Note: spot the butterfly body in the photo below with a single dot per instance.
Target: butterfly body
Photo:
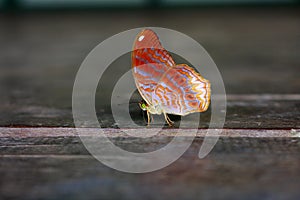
(166, 87)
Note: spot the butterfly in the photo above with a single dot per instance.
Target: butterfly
(166, 87)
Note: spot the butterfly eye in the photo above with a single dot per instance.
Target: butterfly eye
(143, 106)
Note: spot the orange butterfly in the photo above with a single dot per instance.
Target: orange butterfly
(166, 87)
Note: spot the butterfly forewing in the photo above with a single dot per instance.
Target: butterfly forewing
(149, 62)
(148, 49)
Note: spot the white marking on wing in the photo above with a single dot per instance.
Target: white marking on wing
(141, 38)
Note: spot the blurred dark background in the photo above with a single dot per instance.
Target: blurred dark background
(96, 4)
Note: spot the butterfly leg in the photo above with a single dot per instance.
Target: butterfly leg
(148, 116)
(168, 120)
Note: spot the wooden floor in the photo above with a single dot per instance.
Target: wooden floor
(256, 157)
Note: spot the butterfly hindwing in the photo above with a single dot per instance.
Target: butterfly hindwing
(182, 91)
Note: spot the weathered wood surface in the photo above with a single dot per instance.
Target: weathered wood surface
(53, 164)
(257, 156)
(283, 112)
(115, 133)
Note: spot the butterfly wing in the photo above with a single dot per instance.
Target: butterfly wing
(177, 89)
(149, 62)
(182, 91)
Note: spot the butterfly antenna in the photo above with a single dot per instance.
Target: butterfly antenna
(128, 103)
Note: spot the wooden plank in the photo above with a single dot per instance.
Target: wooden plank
(56, 167)
(250, 112)
(19, 133)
